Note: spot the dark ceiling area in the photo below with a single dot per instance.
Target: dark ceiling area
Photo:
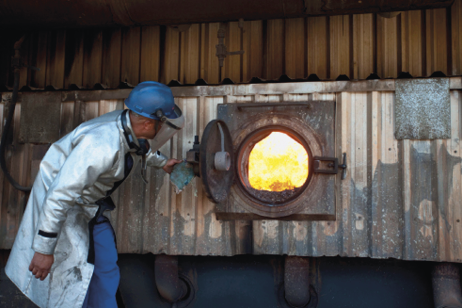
(102, 13)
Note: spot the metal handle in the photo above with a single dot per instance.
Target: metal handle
(343, 166)
(222, 159)
(333, 164)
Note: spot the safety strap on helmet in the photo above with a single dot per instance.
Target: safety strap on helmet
(143, 147)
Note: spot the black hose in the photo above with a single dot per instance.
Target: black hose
(9, 119)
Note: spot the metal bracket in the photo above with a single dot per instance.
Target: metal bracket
(222, 51)
(222, 159)
(16, 62)
(333, 164)
(192, 156)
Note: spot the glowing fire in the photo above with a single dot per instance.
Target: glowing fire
(278, 163)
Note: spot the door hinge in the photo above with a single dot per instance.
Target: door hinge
(332, 165)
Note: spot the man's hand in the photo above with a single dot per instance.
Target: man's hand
(40, 265)
(170, 163)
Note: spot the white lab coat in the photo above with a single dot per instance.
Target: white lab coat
(76, 171)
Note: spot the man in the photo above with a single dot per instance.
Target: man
(64, 254)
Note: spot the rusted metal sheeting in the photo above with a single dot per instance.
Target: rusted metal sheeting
(33, 127)
(160, 221)
(420, 42)
(401, 199)
(19, 158)
(422, 109)
(143, 12)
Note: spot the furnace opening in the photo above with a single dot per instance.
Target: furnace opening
(278, 163)
(274, 166)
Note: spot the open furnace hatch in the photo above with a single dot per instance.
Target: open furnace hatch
(296, 183)
(273, 165)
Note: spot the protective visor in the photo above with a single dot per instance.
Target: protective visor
(169, 128)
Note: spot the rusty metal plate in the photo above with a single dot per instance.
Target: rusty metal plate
(40, 117)
(215, 139)
(423, 109)
(311, 123)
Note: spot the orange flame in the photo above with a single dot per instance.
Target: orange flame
(278, 163)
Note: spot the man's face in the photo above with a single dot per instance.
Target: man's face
(144, 128)
(150, 128)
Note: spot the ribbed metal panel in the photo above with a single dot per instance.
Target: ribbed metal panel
(400, 199)
(420, 42)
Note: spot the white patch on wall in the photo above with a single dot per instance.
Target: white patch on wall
(359, 222)
(423, 109)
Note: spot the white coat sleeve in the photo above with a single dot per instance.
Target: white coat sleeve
(90, 158)
(156, 159)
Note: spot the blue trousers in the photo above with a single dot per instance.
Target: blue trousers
(105, 280)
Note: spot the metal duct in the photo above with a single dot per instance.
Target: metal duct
(297, 281)
(446, 285)
(88, 13)
(168, 282)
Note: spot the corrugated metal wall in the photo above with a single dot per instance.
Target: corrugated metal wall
(400, 199)
(418, 42)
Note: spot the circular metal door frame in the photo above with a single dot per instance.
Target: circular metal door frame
(302, 133)
(245, 149)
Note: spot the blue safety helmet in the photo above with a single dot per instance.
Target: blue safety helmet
(155, 101)
(152, 100)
